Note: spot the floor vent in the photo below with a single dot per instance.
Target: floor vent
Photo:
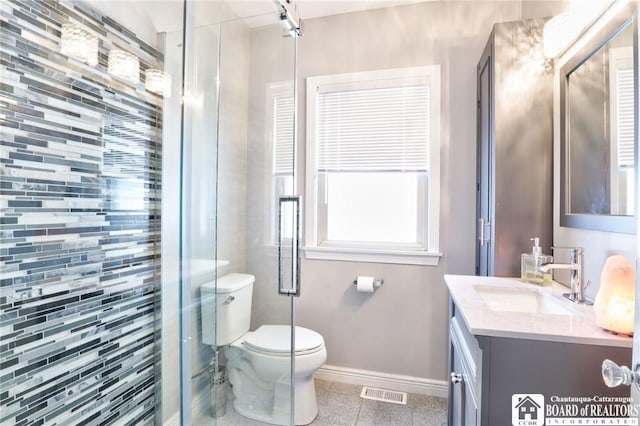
(384, 395)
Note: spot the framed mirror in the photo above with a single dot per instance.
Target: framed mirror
(599, 134)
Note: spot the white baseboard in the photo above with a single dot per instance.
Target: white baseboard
(396, 382)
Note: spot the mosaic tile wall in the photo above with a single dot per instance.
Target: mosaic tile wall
(80, 224)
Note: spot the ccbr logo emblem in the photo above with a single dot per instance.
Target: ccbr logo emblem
(527, 409)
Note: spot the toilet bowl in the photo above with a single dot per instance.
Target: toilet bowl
(259, 366)
(259, 362)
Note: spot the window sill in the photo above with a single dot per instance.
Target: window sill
(374, 256)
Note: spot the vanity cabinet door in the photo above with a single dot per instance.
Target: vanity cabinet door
(464, 382)
(462, 405)
(456, 394)
(470, 412)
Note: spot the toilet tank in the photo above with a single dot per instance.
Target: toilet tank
(230, 296)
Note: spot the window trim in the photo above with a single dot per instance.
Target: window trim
(313, 249)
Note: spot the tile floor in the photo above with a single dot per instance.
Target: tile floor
(340, 404)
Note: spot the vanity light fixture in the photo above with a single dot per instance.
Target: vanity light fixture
(158, 82)
(124, 65)
(78, 43)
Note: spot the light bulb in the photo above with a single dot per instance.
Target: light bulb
(124, 65)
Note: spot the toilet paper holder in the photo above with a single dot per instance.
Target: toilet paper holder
(376, 283)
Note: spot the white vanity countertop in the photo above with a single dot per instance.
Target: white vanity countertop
(578, 326)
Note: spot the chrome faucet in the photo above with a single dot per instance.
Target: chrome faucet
(575, 266)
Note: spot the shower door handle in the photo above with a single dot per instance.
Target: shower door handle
(289, 246)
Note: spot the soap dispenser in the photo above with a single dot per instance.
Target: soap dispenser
(531, 263)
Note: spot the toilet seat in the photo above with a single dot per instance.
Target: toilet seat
(274, 340)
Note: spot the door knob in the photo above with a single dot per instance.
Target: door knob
(615, 375)
(456, 378)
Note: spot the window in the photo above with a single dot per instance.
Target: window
(280, 128)
(373, 166)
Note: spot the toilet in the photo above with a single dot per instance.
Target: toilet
(258, 361)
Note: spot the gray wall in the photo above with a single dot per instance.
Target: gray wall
(543, 8)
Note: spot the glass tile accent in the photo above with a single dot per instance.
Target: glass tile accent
(81, 159)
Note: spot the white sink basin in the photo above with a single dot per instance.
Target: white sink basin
(520, 300)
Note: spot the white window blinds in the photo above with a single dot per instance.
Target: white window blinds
(379, 129)
(625, 117)
(283, 135)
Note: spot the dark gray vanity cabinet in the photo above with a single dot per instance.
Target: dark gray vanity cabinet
(485, 372)
(514, 147)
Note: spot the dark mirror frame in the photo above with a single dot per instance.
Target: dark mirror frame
(608, 223)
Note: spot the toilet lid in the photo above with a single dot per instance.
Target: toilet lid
(275, 339)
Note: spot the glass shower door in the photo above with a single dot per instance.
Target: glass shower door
(198, 246)
(239, 215)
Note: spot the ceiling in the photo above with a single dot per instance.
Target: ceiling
(315, 8)
(148, 17)
(308, 9)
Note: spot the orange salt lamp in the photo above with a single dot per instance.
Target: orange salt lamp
(615, 301)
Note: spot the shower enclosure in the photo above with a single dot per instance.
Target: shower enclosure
(238, 210)
(119, 201)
